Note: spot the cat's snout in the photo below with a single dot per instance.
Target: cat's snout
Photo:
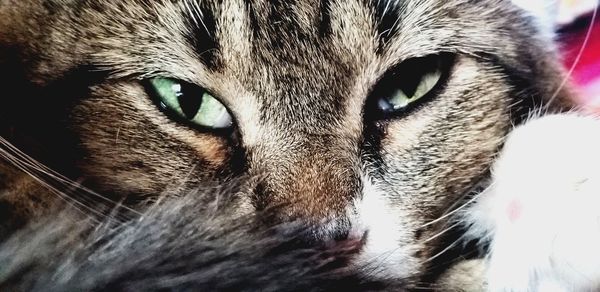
(337, 237)
(352, 241)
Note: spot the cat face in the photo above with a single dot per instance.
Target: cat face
(365, 120)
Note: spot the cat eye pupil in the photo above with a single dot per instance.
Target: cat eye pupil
(190, 104)
(409, 84)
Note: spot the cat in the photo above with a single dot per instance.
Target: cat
(263, 145)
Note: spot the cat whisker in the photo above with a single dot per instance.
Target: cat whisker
(462, 206)
(444, 231)
(77, 205)
(449, 247)
(34, 164)
(577, 60)
(43, 175)
(196, 14)
(380, 258)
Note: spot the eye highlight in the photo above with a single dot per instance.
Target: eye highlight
(190, 103)
(409, 84)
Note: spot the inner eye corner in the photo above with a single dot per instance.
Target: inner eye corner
(398, 92)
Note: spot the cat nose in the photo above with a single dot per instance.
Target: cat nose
(348, 240)
(335, 234)
(309, 189)
(314, 181)
(340, 237)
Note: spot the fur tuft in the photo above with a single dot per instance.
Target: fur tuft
(182, 244)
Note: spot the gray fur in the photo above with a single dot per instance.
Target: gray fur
(181, 245)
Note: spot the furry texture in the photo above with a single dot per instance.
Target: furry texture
(301, 79)
(540, 214)
(180, 245)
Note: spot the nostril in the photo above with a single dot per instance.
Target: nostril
(341, 235)
(350, 240)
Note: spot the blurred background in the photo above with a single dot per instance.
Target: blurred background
(575, 22)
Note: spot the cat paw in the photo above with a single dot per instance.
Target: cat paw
(541, 213)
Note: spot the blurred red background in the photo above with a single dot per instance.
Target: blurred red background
(586, 69)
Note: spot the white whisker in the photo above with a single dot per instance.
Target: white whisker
(454, 211)
(51, 180)
(577, 58)
(449, 247)
(34, 164)
(442, 232)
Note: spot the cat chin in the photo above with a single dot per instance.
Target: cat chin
(541, 215)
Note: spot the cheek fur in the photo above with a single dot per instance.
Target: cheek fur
(119, 157)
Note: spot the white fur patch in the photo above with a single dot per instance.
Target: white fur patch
(386, 251)
(542, 212)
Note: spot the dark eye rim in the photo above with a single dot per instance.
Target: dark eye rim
(175, 117)
(388, 82)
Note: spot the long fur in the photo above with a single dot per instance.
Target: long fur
(182, 244)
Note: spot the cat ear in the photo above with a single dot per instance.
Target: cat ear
(544, 11)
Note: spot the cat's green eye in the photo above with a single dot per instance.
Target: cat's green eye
(190, 103)
(409, 83)
(400, 98)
